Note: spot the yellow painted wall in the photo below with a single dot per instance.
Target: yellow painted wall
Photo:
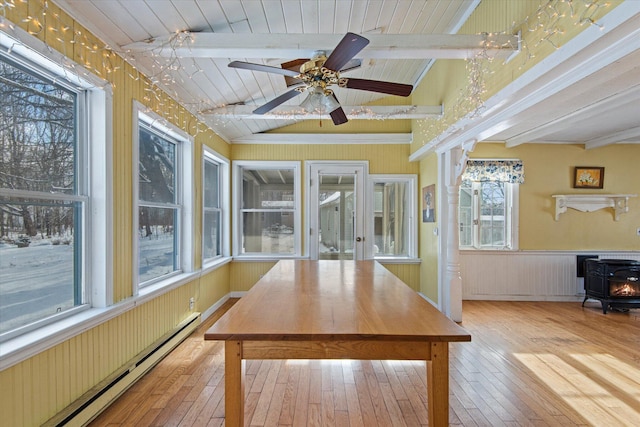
(245, 274)
(429, 241)
(382, 158)
(408, 273)
(549, 170)
(41, 386)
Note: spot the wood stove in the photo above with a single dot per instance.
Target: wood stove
(615, 282)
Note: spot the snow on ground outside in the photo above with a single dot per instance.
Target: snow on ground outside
(37, 281)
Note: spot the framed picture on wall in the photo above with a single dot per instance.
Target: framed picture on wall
(429, 203)
(588, 177)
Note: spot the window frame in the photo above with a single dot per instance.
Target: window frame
(209, 155)
(411, 180)
(238, 172)
(512, 192)
(183, 242)
(93, 172)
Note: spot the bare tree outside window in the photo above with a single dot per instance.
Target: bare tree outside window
(158, 208)
(212, 218)
(40, 201)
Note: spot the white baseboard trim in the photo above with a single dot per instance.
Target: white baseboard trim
(553, 298)
(93, 402)
(209, 311)
(238, 294)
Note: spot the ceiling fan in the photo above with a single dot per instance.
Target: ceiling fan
(320, 72)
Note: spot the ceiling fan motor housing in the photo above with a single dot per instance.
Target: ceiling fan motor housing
(314, 74)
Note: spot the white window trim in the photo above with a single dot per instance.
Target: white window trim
(224, 195)
(512, 196)
(412, 238)
(185, 183)
(513, 213)
(238, 166)
(97, 133)
(100, 240)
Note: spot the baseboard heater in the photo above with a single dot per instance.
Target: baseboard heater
(93, 402)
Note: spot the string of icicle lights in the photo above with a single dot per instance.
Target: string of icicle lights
(160, 84)
(545, 26)
(92, 56)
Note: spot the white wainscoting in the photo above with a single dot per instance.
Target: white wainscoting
(526, 275)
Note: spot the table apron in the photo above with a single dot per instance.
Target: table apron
(356, 349)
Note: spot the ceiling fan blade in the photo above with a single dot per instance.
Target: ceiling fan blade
(348, 47)
(266, 68)
(351, 65)
(338, 116)
(389, 88)
(276, 101)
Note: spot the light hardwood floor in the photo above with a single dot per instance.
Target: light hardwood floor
(529, 363)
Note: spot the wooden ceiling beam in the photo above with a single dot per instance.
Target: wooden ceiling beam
(362, 112)
(322, 138)
(383, 46)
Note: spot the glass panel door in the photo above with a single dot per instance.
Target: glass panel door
(336, 211)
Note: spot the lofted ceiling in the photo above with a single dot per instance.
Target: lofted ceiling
(192, 42)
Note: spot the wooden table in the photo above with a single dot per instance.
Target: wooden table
(306, 309)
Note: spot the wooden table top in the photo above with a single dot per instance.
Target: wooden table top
(333, 300)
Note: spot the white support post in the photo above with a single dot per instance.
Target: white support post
(455, 163)
(453, 277)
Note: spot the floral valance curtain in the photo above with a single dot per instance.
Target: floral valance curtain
(511, 171)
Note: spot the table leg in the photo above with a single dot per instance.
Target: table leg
(438, 384)
(233, 384)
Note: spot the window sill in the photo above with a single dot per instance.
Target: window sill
(488, 250)
(269, 258)
(154, 290)
(20, 348)
(214, 265)
(493, 251)
(396, 260)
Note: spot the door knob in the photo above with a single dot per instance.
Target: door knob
(359, 239)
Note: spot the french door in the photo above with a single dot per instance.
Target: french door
(335, 192)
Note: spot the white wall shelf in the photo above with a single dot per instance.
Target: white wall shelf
(592, 202)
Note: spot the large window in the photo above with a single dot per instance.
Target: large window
(394, 221)
(488, 206)
(51, 180)
(215, 217)
(267, 209)
(163, 208)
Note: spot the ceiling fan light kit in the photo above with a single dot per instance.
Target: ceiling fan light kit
(320, 101)
(321, 71)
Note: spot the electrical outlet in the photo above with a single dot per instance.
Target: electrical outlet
(192, 303)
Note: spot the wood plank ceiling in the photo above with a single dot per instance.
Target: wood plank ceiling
(199, 38)
(204, 83)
